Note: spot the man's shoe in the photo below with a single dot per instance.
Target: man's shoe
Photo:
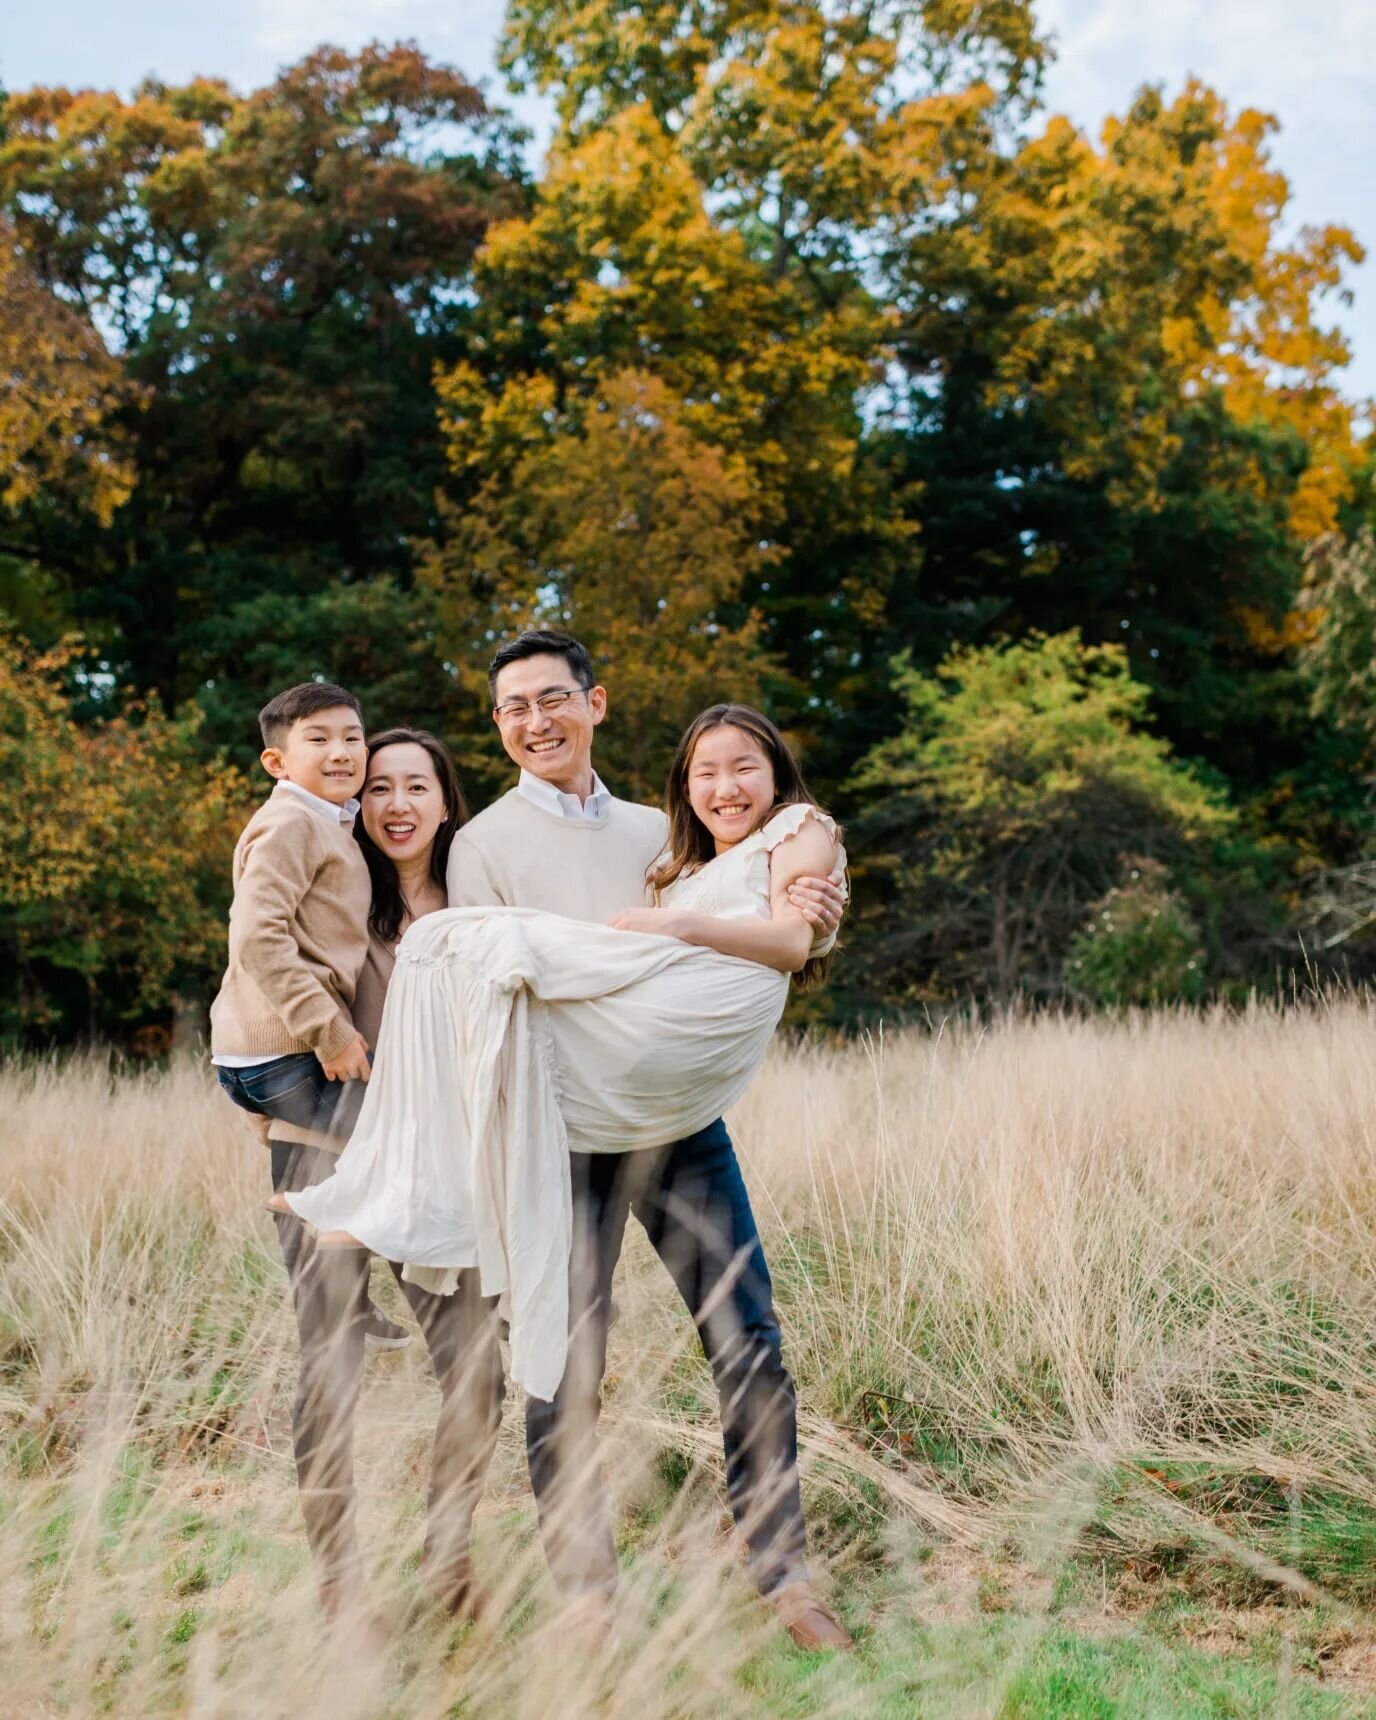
(454, 1592)
(380, 1333)
(808, 1619)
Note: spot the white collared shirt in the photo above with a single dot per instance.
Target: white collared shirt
(326, 808)
(568, 806)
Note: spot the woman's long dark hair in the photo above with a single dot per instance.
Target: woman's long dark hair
(690, 842)
(389, 906)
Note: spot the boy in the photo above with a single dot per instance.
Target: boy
(281, 1035)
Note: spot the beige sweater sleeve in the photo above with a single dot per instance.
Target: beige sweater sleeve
(468, 879)
(277, 871)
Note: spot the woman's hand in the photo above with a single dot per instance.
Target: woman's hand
(664, 922)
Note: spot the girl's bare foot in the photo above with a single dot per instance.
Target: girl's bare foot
(277, 1203)
(338, 1239)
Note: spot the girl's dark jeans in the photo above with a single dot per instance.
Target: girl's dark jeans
(295, 1089)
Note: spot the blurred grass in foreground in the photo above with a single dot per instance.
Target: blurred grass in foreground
(1083, 1318)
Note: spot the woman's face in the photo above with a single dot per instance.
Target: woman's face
(403, 805)
(730, 784)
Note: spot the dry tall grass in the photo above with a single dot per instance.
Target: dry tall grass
(1020, 1270)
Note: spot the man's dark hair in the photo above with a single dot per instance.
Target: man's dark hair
(277, 716)
(542, 642)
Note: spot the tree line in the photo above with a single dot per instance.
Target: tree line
(1008, 467)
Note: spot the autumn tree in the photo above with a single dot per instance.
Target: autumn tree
(1021, 774)
(114, 885)
(61, 388)
(711, 211)
(1138, 424)
(618, 524)
(281, 272)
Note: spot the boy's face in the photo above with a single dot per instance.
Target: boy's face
(324, 753)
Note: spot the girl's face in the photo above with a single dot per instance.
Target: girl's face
(730, 784)
(403, 805)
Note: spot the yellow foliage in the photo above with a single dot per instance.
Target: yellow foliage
(118, 871)
(61, 385)
(1150, 269)
(625, 528)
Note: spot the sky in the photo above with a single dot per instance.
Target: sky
(1311, 63)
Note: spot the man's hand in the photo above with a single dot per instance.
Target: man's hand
(664, 922)
(821, 901)
(351, 1064)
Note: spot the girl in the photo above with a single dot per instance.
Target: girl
(511, 1036)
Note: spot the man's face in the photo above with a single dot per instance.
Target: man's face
(555, 745)
(324, 753)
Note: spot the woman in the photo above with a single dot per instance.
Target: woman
(512, 1036)
(411, 807)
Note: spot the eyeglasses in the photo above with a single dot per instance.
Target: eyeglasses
(515, 710)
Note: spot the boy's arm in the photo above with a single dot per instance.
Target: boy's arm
(278, 869)
(468, 879)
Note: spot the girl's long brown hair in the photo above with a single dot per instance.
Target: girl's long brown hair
(690, 842)
(388, 906)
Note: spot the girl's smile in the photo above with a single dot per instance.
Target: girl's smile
(731, 786)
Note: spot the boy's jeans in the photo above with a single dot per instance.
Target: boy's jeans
(295, 1089)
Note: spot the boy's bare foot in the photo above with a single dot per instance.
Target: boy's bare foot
(277, 1203)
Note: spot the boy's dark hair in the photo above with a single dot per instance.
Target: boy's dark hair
(277, 716)
(542, 642)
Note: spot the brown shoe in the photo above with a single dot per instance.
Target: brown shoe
(808, 1619)
(455, 1593)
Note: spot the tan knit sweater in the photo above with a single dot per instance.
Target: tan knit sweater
(298, 935)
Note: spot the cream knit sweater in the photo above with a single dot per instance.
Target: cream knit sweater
(517, 855)
(298, 935)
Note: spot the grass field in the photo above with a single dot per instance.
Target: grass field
(1083, 1319)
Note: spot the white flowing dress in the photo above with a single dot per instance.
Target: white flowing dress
(512, 1036)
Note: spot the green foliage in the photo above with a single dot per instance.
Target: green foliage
(1020, 775)
(815, 343)
(1140, 945)
(114, 885)
(1339, 652)
(283, 271)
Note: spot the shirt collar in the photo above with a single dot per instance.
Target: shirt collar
(344, 815)
(568, 806)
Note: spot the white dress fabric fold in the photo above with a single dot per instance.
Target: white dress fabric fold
(512, 1036)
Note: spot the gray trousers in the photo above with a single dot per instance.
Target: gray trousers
(329, 1290)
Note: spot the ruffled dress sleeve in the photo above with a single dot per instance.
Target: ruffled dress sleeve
(788, 821)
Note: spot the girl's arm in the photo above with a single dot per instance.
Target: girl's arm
(784, 940)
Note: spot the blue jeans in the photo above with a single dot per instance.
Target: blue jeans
(295, 1089)
(692, 1201)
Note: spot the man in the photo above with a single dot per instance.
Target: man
(559, 841)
